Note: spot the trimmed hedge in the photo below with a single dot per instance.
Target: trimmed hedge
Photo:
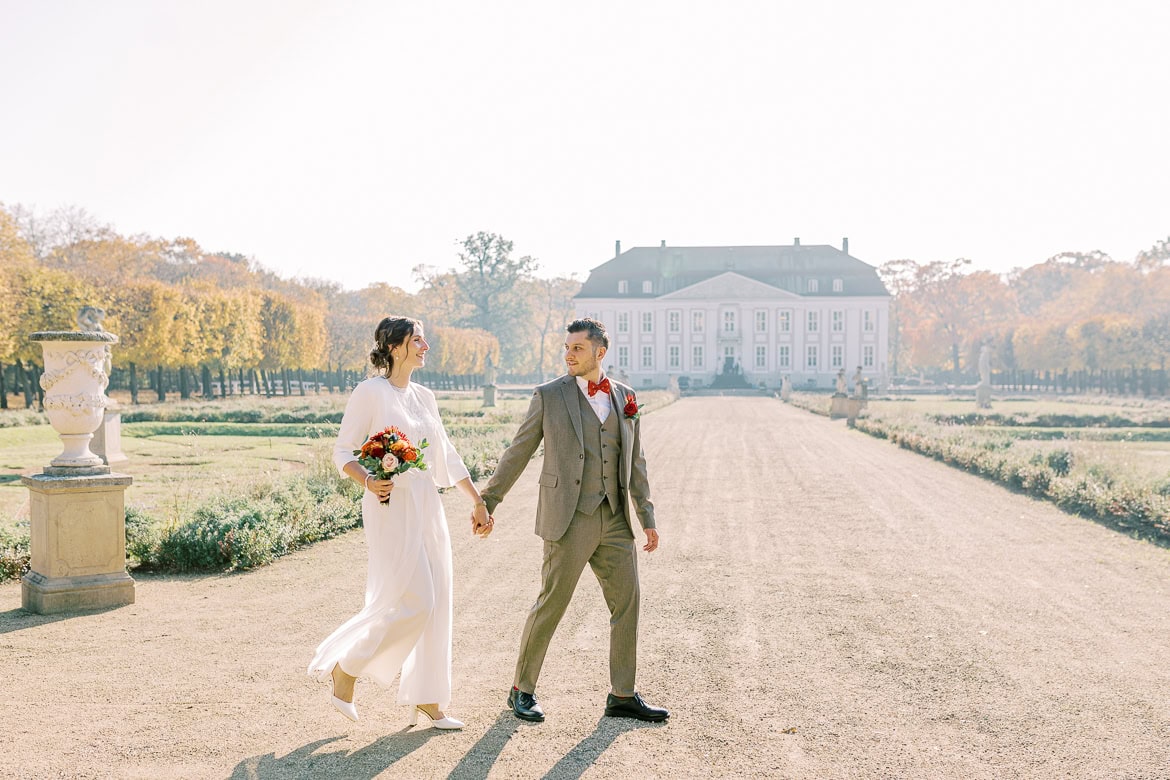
(273, 430)
(246, 531)
(1095, 495)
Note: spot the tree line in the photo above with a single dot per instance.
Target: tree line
(203, 320)
(1077, 321)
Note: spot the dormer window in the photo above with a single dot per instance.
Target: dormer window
(623, 287)
(812, 285)
(647, 286)
(838, 285)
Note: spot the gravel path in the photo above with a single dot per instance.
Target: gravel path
(907, 620)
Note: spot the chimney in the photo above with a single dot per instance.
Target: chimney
(796, 241)
(617, 248)
(845, 245)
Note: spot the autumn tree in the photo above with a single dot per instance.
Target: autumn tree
(16, 258)
(460, 350)
(489, 280)
(551, 304)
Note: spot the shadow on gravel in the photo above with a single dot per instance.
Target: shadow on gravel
(17, 619)
(480, 759)
(362, 764)
(586, 752)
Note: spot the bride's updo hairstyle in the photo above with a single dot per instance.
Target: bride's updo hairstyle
(391, 332)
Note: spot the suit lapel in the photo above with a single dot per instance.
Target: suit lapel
(618, 400)
(569, 393)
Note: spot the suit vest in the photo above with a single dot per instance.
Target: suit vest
(603, 453)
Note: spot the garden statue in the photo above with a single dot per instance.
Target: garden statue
(489, 382)
(983, 389)
(841, 388)
(489, 370)
(89, 319)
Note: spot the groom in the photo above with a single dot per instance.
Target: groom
(593, 467)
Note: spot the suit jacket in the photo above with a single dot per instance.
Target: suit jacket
(555, 416)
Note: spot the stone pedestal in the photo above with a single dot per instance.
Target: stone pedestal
(844, 406)
(838, 407)
(77, 541)
(983, 395)
(107, 439)
(489, 395)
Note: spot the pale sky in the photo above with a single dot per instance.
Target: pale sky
(354, 140)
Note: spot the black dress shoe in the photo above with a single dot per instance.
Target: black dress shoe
(633, 707)
(524, 706)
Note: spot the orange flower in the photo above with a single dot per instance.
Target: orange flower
(410, 455)
(399, 446)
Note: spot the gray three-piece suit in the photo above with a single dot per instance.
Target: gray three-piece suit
(591, 473)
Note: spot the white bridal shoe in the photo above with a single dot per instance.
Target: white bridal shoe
(446, 722)
(346, 708)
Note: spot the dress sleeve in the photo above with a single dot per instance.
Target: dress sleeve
(446, 468)
(355, 426)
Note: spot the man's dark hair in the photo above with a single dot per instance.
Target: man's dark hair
(594, 329)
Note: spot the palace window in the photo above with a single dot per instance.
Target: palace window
(784, 356)
(838, 285)
(647, 358)
(697, 357)
(867, 356)
(784, 318)
(675, 357)
(647, 286)
(647, 321)
(729, 321)
(811, 356)
(814, 321)
(623, 356)
(761, 321)
(867, 321)
(623, 322)
(838, 356)
(813, 286)
(838, 321)
(697, 321)
(761, 357)
(674, 321)
(623, 287)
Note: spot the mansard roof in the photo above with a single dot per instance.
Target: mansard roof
(789, 268)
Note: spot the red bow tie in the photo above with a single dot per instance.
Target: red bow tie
(603, 386)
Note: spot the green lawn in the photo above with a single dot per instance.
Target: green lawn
(179, 462)
(186, 453)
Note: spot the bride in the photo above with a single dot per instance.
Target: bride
(405, 625)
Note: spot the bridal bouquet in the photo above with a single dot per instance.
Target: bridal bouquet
(389, 453)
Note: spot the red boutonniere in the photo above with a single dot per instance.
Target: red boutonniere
(632, 409)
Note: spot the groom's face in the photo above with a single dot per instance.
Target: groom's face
(582, 356)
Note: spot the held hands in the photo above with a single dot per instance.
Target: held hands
(481, 522)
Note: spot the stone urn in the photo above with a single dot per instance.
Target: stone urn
(77, 366)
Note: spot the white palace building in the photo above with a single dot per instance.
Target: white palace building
(760, 312)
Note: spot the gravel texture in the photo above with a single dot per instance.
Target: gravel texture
(823, 605)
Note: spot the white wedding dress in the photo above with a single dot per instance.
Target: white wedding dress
(406, 622)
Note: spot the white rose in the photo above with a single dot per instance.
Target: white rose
(389, 462)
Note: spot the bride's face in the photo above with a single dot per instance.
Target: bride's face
(413, 352)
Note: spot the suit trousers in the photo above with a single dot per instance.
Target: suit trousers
(604, 541)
